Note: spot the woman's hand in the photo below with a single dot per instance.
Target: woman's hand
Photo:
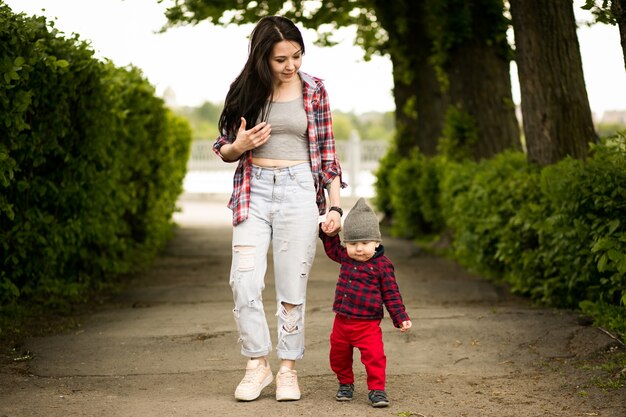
(245, 140)
(252, 138)
(332, 225)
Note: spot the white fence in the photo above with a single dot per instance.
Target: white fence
(207, 173)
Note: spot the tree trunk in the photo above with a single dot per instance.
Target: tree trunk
(480, 85)
(618, 8)
(420, 104)
(555, 107)
(472, 55)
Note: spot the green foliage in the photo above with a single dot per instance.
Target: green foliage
(92, 165)
(601, 10)
(607, 315)
(376, 126)
(454, 23)
(203, 120)
(343, 125)
(428, 188)
(413, 185)
(369, 126)
(609, 129)
(382, 185)
(481, 198)
(405, 198)
(556, 235)
(323, 18)
(460, 135)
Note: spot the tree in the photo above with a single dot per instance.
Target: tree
(406, 30)
(420, 100)
(555, 106)
(612, 12)
(618, 8)
(472, 56)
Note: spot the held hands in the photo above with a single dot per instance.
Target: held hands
(252, 138)
(332, 225)
(406, 325)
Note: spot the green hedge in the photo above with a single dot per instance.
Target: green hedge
(556, 235)
(91, 165)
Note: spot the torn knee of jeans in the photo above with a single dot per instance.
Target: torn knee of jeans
(290, 317)
(245, 257)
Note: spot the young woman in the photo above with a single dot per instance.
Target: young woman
(277, 124)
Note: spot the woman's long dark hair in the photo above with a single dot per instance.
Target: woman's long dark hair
(253, 87)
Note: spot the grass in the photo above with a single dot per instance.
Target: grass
(611, 368)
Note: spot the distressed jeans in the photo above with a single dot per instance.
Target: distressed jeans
(283, 213)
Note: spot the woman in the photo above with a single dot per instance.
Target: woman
(277, 123)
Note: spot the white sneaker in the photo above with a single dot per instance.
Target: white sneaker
(287, 385)
(258, 376)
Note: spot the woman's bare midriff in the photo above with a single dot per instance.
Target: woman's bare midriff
(275, 163)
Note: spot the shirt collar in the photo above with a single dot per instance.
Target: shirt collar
(380, 251)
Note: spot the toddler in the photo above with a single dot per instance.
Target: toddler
(366, 283)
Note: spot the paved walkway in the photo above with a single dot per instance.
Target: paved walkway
(167, 345)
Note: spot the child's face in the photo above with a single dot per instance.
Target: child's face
(361, 251)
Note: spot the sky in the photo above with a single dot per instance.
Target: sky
(198, 63)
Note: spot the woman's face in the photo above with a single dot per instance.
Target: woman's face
(285, 61)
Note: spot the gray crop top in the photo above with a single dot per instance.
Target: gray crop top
(289, 137)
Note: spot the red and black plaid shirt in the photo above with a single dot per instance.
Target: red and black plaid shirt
(324, 162)
(364, 287)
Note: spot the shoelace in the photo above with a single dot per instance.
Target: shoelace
(287, 378)
(252, 375)
(378, 396)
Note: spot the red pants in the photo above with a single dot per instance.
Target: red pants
(365, 335)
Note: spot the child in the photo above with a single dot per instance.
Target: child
(366, 282)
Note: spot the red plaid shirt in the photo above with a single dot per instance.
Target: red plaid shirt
(324, 163)
(364, 287)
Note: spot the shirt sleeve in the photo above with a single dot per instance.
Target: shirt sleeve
(221, 141)
(391, 295)
(332, 246)
(326, 139)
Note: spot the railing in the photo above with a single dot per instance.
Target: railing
(359, 159)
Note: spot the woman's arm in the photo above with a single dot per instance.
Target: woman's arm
(332, 225)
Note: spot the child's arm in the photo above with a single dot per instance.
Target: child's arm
(332, 246)
(392, 298)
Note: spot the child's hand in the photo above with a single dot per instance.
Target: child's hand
(406, 325)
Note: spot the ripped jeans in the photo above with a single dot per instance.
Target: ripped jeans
(283, 212)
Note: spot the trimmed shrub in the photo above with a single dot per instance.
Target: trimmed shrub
(556, 235)
(408, 220)
(482, 200)
(91, 166)
(382, 186)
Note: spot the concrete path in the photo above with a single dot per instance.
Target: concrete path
(167, 345)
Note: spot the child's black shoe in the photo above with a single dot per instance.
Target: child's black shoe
(378, 398)
(345, 392)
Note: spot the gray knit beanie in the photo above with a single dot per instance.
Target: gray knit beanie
(361, 224)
